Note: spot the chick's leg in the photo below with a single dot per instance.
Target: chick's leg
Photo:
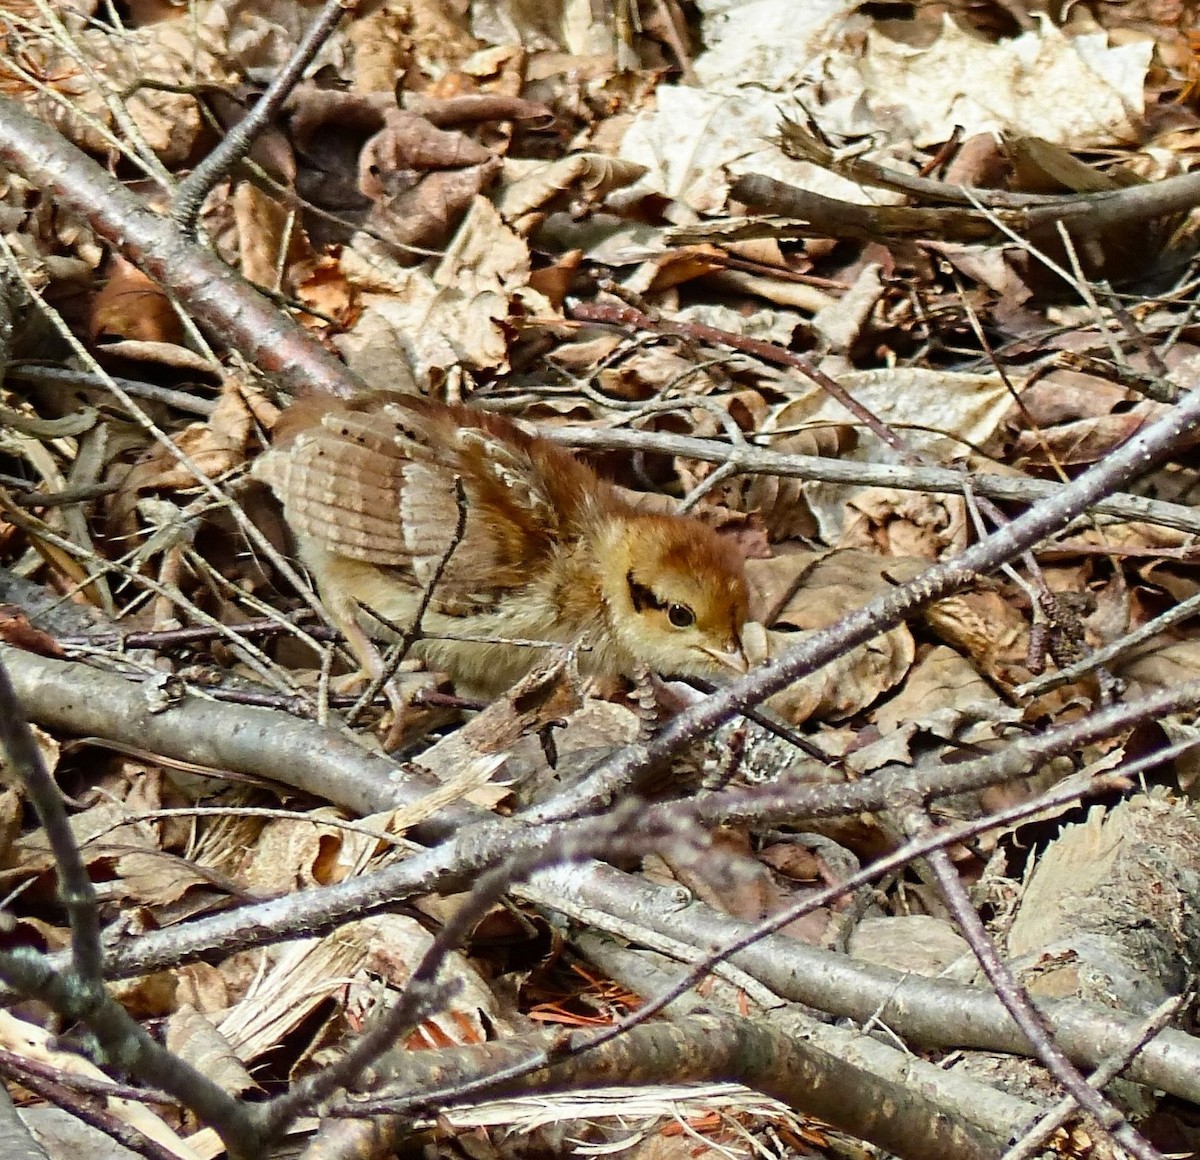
(406, 718)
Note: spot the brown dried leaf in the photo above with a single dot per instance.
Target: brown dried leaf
(11, 816)
(554, 282)
(289, 854)
(164, 354)
(35, 1043)
(738, 884)
(906, 523)
(131, 305)
(578, 181)
(16, 630)
(264, 225)
(48, 749)
(917, 943)
(1160, 664)
(156, 879)
(406, 143)
(202, 986)
(993, 633)
(780, 502)
(1086, 440)
(820, 595)
(382, 48)
(216, 446)
(195, 1040)
(944, 695)
(176, 51)
(146, 996)
(431, 326)
(320, 285)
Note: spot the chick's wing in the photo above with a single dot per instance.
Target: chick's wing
(379, 485)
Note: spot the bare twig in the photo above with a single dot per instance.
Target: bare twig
(1084, 214)
(60, 376)
(238, 142)
(74, 886)
(1033, 1140)
(1182, 611)
(223, 302)
(85, 1109)
(81, 1082)
(79, 993)
(412, 632)
(760, 461)
(72, 697)
(1017, 1001)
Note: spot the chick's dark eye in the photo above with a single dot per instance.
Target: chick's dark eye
(681, 616)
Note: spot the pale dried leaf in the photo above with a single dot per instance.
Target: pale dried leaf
(916, 943)
(893, 522)
(830, 588)
(289, 854)
(33, 1043)
(944, 695)
(582, 179)
(196, 1041)
(215, 446)
(443, 328)
(157, 879)
(1077, 91)
(298, 978)
(1160, 665)
(485, 255)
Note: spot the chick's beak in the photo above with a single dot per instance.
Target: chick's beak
(734, 657)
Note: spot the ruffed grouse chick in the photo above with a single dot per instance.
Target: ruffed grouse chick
(550, 552)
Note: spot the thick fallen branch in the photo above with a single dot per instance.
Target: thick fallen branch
(707, 1047)
(221, 300)
(930, 1012)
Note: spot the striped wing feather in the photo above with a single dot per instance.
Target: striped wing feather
(378, 485)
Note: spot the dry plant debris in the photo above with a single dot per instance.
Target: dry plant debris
(898, 298)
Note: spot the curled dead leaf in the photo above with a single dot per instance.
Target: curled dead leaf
(817, 595)
(132, 305)
(216, 446)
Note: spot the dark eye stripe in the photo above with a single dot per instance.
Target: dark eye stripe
(641, 595)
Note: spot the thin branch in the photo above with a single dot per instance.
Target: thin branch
(222, 301)
(412, 633)
(61, 376)
(78, 1081)
(1112, 651)
(127, 1045)
(84, 1109)
(72, 697)
(1017, 1002)
(240, 140)
(1033, 1140)
(74, 886)
(943, 480)
(903, 1122)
